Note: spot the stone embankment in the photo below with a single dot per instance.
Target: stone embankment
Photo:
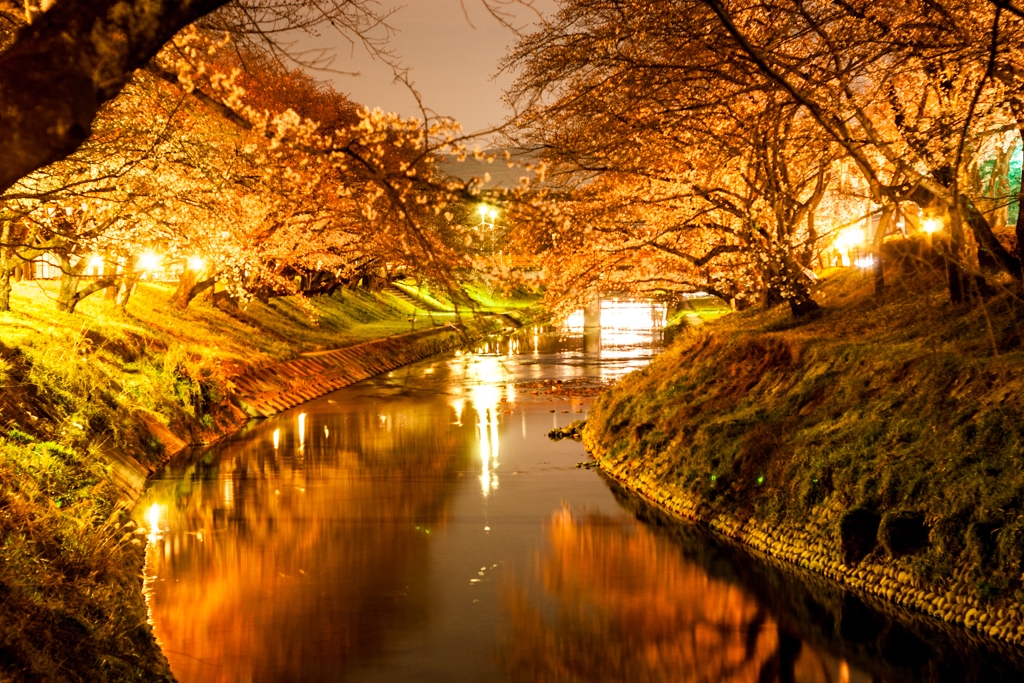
(281, 386)
(880, 583)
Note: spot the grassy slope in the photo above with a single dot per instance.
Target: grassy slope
(482, 298)
(70, 594)
(911, 405)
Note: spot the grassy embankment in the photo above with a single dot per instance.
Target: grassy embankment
(475, 298)
(77, 393)
(881, 443)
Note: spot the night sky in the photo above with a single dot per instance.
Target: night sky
(452, 48)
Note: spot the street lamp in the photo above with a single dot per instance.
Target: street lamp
(930, 225)
(486, 212)
(846, 240)
(149, 261)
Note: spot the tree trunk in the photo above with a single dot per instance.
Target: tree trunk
(71, 275)
(807, 258)
(987, 240)
(801, 303)
(91, 288)
(5, 267)
(110, 272)
(5, 289)
(877, 265)
(186, 280)
(130, 278)
(954, 272)
(190, 286)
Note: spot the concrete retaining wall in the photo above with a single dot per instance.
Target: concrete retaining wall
(281, 386)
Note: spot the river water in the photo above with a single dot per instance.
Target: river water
(420, 526)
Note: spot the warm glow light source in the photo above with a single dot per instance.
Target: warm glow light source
(96, 262)
(149, 261)
(277, 438)
(153, 519)
(493, 213)
(930, 225)
(482, 209)
(848, 238)
(865, 262)
(196, 263)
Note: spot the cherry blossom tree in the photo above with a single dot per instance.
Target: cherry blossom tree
(705, 178)
(909, 96)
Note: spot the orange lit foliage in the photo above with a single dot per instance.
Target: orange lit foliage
(635, 94)
(679, 171)
(164, 172)
(630, 608)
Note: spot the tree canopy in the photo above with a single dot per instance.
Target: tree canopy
(200, 140)
(742, 136)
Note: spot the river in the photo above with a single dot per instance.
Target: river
(420, 526)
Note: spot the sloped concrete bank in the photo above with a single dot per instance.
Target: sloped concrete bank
(281, 386)
(259, 394)
(284, 385)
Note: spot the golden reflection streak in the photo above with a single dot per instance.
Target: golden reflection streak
(485, 396)
(149, 576)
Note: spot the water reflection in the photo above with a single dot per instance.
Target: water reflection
(629, 607)
(365, 537)
(618, 323)
(295, 553)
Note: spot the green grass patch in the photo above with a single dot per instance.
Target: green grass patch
(905, 405)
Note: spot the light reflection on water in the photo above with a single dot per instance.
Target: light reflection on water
(629, 607)
(420, 526)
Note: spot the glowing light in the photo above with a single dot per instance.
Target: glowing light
(196, 263)
(850, 237)
(96, 262)
(277, 438)
(487, 214)
(153, 520)
(459, 405)
(149, 261)
(865, 262)
(485, 398)
(930, 225)
(302, 430)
